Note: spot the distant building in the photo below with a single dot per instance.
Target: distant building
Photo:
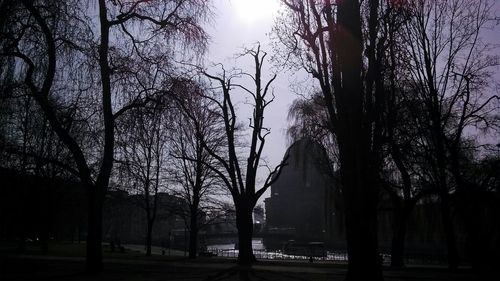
(258, 219)
(36, 208)
(302, 203)
(306, 206)
(125, 219)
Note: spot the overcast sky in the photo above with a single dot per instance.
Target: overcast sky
(242, 23)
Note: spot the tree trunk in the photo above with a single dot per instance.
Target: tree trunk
(445, 205)
(193, 235)
(149, 237)
(360, 192)
(361, 228)
(398, 245)
(398, 239)
(244, 223)
(44, 239)
(94, 229)
(449, 232)
(21, 245)
(358, 172)
(467, 208)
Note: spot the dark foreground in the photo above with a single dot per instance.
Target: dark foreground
(17, 267)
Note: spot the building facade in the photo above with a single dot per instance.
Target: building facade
(303, 204)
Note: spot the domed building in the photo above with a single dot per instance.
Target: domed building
(305, 200)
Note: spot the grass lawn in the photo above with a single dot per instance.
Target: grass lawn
(65, 261)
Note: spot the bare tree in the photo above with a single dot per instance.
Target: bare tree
(191, 134)
(241, 178)
(340, 43)
(448, 69)
(142, 153)
(36, 42)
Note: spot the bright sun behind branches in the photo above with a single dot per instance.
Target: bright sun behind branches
(252, 11)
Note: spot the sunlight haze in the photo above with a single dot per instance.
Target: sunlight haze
(251, 11)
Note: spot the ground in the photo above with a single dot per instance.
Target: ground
(131, 266)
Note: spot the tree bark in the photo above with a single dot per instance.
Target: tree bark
(398, 245)
(401, 216)
(358, 173)
(193, 234)
(445, 203)
(449, 232)
(149, 237)
(402, 209)
(244, 223)
(361, 223)
(94, 229)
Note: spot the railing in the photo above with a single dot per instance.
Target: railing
(278, 255)
(334, 256)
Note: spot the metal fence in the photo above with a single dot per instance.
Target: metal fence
(335, 256)
(278, 255)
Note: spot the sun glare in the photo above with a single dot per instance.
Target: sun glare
(253, 11)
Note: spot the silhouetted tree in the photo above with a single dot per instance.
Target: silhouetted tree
(142, 154)
(326, 39)
(448, 70)
(404, 161)
(43, 35)
(310, 119)
(196, 126)
(240, 177)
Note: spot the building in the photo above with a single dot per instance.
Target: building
(258, 219)
(125, 219)
(302, 206)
